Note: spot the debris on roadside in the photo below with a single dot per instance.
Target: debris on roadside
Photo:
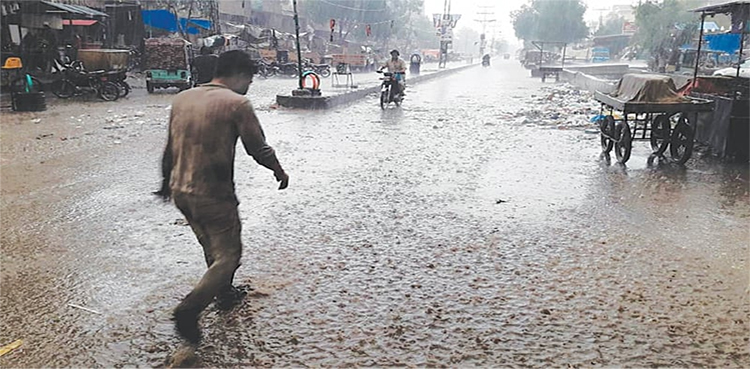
(562, 106)
(84, 309)
(10, 347)
(181, 222)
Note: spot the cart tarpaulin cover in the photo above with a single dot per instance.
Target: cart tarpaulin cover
(647, 88)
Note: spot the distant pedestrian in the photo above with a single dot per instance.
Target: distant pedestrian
(198, 174)
(204, 66)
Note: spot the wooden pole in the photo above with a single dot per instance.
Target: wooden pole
(698, 52)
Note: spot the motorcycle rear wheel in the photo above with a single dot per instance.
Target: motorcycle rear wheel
(64, 88)
(124, 88)
(109, 91)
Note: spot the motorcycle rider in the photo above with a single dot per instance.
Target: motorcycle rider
(397, 66)
(486, 60)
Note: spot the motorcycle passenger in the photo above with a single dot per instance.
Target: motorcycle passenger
(397, 66)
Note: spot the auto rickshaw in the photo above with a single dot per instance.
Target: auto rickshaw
(167, 63)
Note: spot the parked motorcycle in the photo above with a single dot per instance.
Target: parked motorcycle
(118, 77)
(324, 70)
(388, 90)
(288, 69)
(266, 70)
(76, 81)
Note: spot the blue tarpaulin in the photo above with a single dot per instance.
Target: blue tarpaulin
(728, 42)
(166, 20)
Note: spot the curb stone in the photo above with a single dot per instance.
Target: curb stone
(328, 102)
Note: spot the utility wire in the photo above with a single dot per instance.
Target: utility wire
(350, 8)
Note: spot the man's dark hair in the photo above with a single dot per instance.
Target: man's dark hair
(234, 62)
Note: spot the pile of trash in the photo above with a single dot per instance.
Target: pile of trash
(562, 106)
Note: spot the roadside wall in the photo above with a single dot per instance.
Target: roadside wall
(587, 82)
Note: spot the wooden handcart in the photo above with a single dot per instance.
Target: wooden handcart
(667, 125)
(550, 72)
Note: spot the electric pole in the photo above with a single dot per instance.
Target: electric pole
(486, 14)
(446, 22)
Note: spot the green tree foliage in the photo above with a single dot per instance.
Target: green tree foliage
(665, 24)
(550, 20)
(612, 26)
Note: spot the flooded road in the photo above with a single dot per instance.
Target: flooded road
(474, 226)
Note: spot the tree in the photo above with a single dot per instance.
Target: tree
(664, 25)
(611, 26)
(550, 20)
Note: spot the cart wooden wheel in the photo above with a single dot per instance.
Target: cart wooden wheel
(623, 143)
(660, 134)
(681, 141)
(607, 128)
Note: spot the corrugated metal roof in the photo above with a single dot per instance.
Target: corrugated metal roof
(724, 8)
(76, 9)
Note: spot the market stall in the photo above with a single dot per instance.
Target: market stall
(726, 131)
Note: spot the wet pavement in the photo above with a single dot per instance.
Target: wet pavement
(470, 227)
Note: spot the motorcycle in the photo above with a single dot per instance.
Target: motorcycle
(266, 70)
(288, 69)
(324, 70)
(76, 81)
(387, 91)
(485, 61)
(118, 77)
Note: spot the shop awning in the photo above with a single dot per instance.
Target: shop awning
(76, 9)
(79, 22)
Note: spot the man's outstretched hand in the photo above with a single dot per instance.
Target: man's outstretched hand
(283, 179)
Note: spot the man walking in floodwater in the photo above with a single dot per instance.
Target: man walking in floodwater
(198, 174)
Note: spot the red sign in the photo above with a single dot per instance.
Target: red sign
(629, 28)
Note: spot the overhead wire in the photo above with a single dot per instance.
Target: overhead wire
(351, 8)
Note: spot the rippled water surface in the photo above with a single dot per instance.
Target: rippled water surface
(475, 225)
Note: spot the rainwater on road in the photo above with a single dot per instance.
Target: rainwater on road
(474, 226)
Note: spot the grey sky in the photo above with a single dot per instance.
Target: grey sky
(502, 9)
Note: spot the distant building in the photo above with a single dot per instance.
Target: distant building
(236, 11)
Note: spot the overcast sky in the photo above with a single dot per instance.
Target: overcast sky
(469, 8)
